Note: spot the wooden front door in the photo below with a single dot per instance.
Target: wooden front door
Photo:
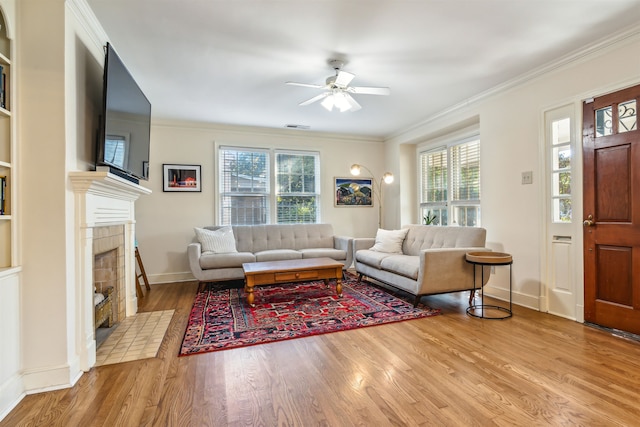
(611, 149)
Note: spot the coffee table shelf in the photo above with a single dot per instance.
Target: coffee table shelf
(297, 270)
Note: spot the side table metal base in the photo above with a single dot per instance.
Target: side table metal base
(483, 259)
(482, 307)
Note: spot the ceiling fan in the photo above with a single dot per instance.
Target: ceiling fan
(338, 92)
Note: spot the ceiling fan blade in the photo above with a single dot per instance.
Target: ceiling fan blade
(315, 98)
(343, 78)
(352, 102)
(305, 85)
(370, 90)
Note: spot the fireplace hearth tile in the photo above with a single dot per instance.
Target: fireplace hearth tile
(136, 337)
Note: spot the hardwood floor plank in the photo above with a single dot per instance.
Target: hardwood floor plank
(449, 370)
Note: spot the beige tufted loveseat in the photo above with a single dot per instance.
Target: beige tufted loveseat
(431, 260)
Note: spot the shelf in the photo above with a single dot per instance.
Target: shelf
(4, 60)
(5, 112)
(5, 165)
(5, 217)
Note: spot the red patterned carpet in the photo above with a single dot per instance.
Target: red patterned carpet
(221, 318)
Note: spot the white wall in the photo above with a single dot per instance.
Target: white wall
(165, 221)
(511, 132)
(59, 60)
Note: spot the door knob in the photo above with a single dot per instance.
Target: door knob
(589, 221)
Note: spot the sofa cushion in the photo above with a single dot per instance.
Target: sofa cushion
(210, 260)
(372, 258)
(278, 255)
(420, 237)
(389, 241)
(265, 237)
(336, 254)
(405, 265)
(220, 241)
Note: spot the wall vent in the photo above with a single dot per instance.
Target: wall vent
(297, 127)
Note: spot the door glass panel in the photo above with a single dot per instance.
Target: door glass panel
(561, 210)
(562, 157)
(560, 144)
(562, 184)
(627, 116)
(604, 122)
(561, 131)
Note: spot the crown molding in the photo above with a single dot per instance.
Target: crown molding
(597, 48)
(262, 131)
(89, 21)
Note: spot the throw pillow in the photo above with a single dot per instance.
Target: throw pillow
(218, 241)
(390, 241)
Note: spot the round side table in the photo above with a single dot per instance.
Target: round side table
(483, 259)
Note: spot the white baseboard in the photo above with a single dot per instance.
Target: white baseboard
(529, 301)
(11, 393)
(51, 378)
(185, 276)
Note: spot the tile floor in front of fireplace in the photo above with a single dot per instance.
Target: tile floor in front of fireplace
(136, 337)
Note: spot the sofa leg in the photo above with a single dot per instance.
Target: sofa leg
(472, 294)
(416, 301)
(359, 277)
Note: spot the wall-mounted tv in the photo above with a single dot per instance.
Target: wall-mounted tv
(124, 137)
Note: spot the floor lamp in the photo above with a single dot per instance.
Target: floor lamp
(387, 178)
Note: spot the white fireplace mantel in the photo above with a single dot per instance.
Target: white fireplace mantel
(101, 199)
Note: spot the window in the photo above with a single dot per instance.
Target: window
(298, 187)
(450, 184)
(245, 186)
(560, 132)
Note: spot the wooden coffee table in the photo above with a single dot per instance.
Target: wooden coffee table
(297, 270)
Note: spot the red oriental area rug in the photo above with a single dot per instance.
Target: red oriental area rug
(221, 318)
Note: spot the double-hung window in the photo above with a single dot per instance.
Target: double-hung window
(450, 184)
(297, 187)
(244, 186)
(245, 182)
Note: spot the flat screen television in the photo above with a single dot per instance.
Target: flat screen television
(125, 125)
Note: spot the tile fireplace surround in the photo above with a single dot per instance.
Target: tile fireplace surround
(101, 200)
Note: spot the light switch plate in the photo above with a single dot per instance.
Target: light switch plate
(527, 177)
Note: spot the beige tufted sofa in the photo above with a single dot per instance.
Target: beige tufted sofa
(432, 260)
(270, 242)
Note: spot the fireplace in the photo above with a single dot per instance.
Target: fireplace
(104, 221)
(108, 266)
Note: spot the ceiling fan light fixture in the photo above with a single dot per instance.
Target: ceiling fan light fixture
(341, 102)
(328, 102)
(338, 90)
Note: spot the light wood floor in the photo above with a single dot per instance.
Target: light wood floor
(449, 370)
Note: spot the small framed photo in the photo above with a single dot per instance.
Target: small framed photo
(353, 192)
(181, 178)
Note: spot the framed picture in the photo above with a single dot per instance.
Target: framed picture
(181, 178)
(353, 192)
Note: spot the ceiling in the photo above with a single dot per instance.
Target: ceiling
(227, 61)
